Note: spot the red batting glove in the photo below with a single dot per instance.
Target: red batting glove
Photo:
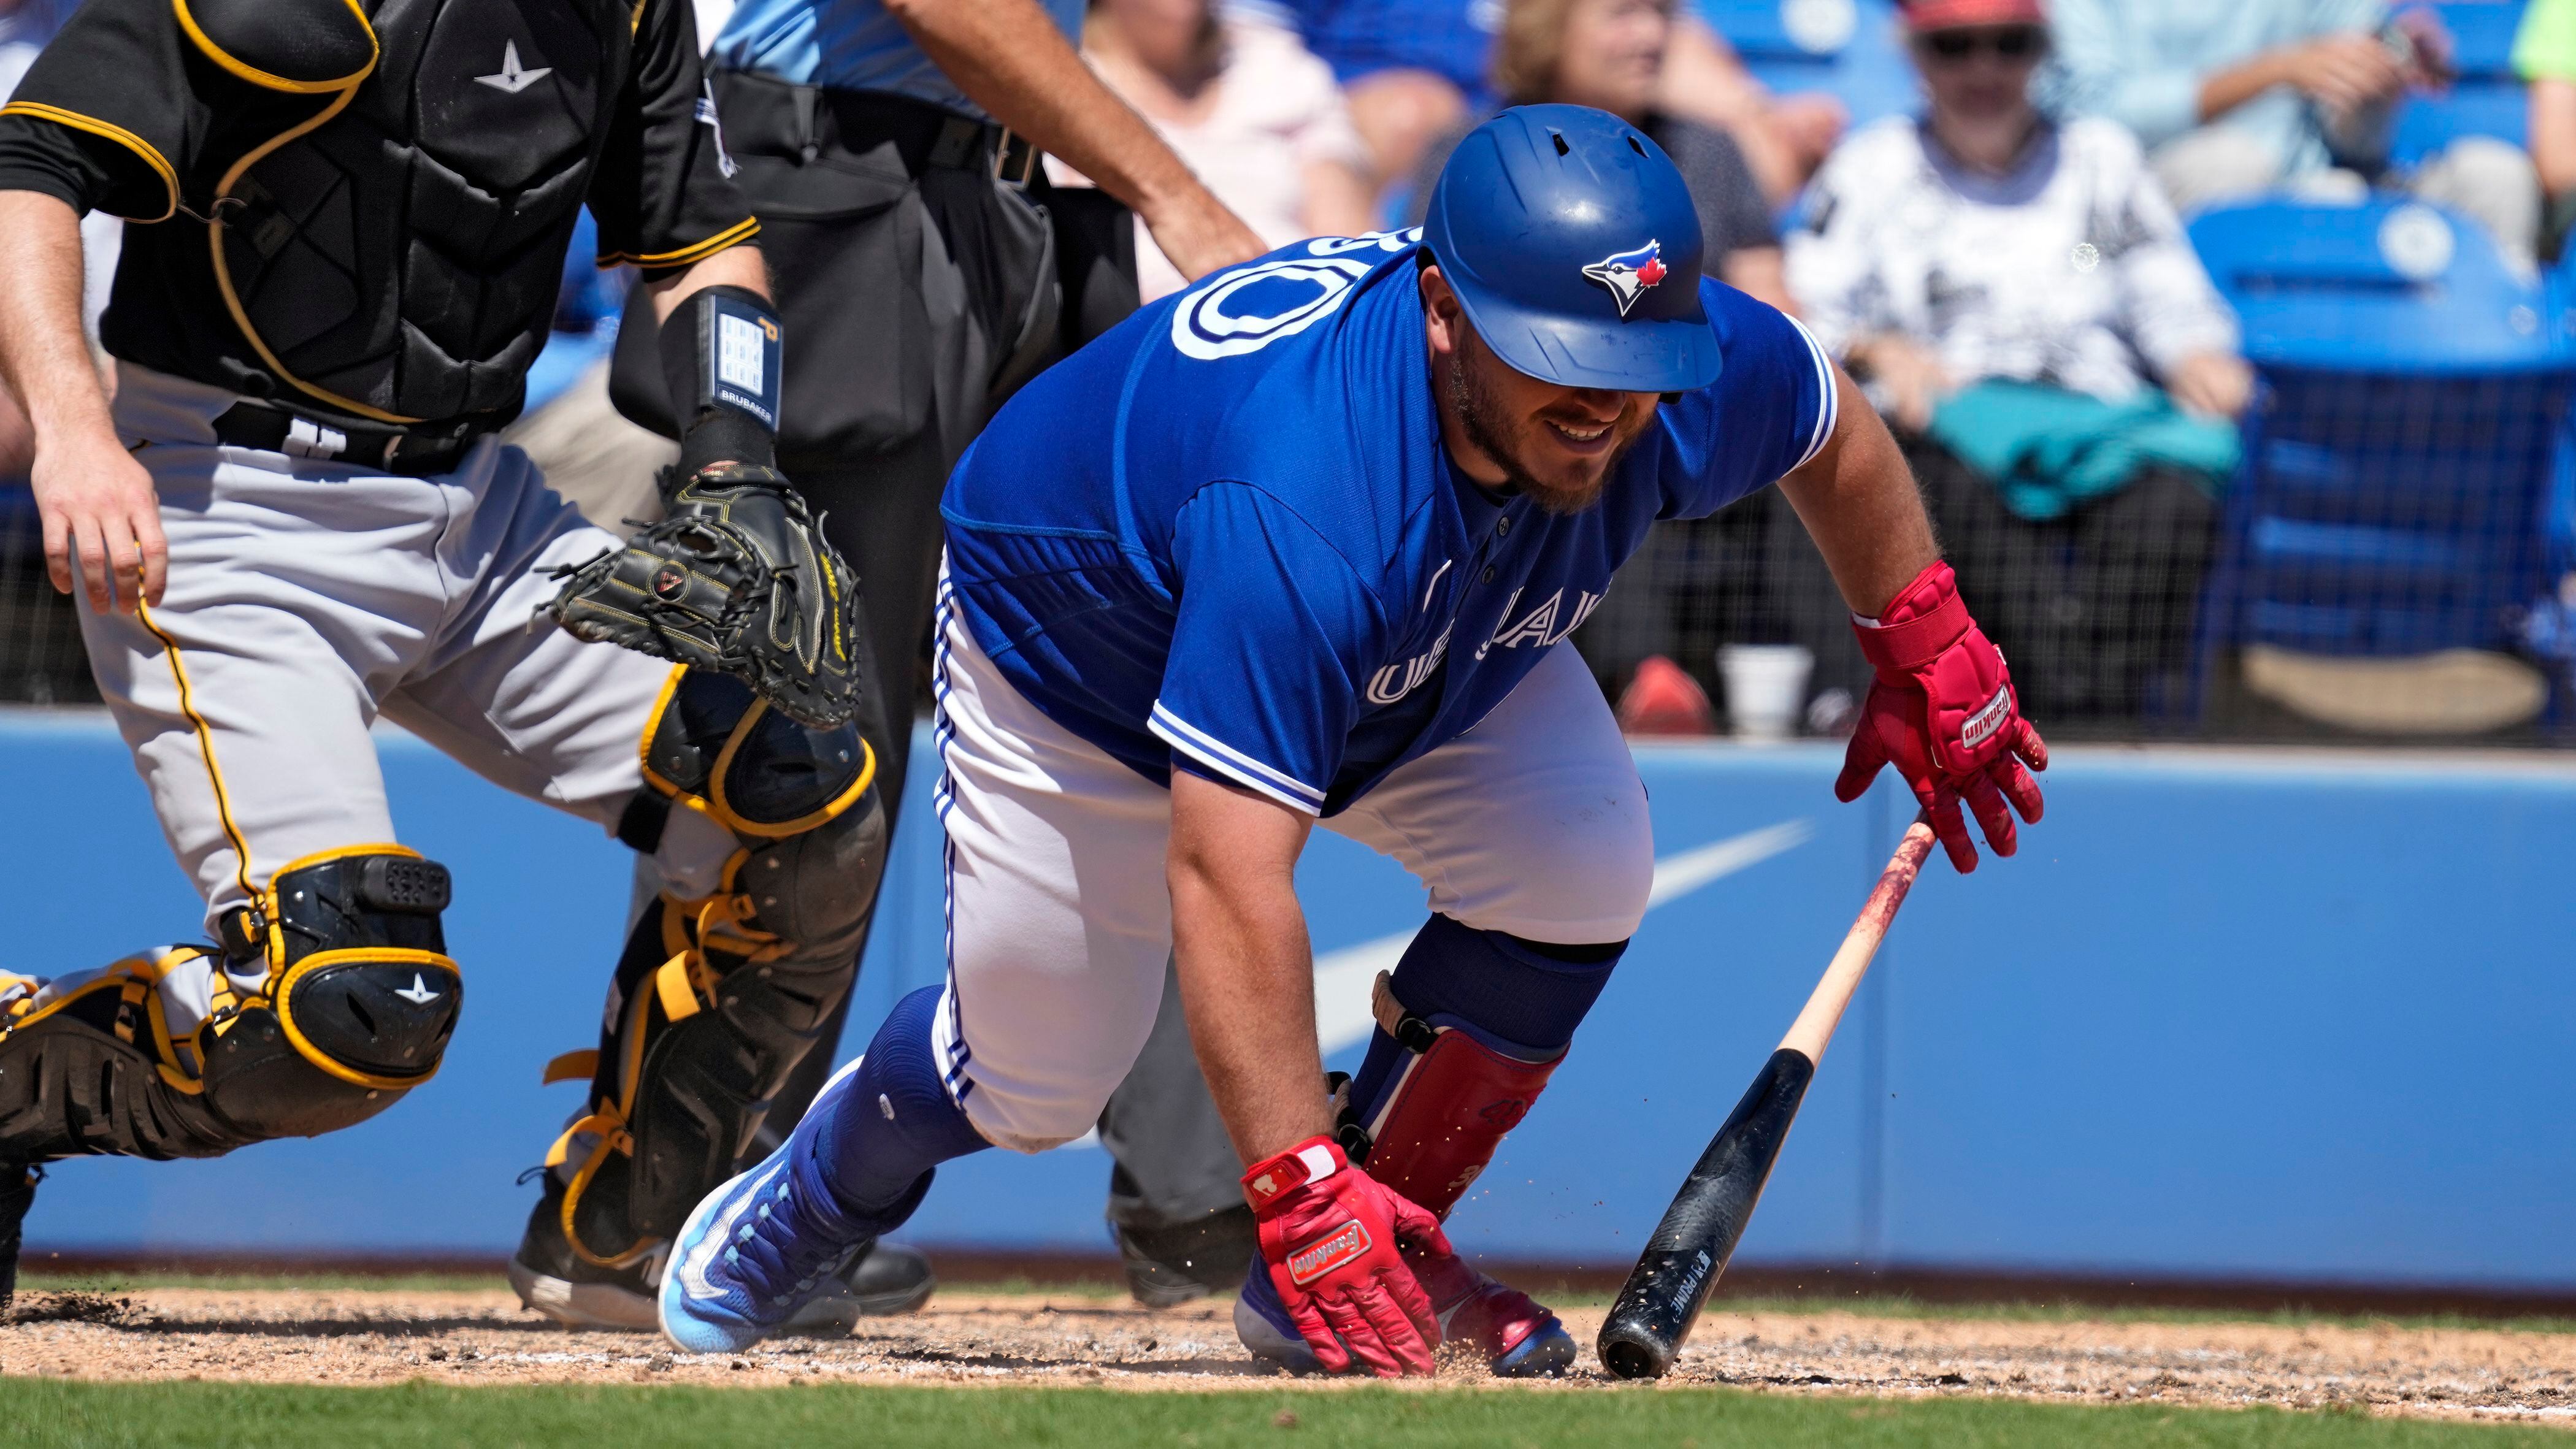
(1330, 1235)
(1944, 713)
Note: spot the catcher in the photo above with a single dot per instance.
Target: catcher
(345, 229)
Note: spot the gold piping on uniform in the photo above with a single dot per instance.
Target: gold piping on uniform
(206, 749)
(151, 154)
(265, 81)
(224, 275)
(741, 231)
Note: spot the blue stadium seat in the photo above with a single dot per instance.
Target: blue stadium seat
(2398, 462)
(2485, 107)
(2482, 35)
(1848, 49)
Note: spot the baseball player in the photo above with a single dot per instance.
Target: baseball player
(1305, 542)
(345, 230)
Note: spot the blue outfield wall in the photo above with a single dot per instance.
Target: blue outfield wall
(2285, 1015)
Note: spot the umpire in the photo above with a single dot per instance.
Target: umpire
(893, 149)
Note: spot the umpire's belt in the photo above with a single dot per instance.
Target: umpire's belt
(762, 114)
(420, 451)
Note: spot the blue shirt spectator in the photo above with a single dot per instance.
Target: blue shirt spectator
(1452, 39)
(2237, 97)
(853, 45)
(2144, 65)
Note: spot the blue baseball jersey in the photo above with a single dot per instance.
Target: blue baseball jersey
(1226, 537)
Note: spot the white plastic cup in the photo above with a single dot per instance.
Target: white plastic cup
(1765, 686)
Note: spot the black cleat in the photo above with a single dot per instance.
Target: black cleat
(551, 1278)
(1169, 1266)
(17, 1194)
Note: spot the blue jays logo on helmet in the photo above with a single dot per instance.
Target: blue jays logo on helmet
(1631, 274)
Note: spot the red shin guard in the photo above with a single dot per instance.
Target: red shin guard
(1449, 1109)
(1451, 1105)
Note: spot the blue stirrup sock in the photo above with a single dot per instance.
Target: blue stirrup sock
(873, 1139)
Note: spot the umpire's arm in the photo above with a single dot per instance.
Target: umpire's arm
(1009, 58)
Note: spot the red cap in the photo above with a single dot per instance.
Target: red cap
(1921, 15)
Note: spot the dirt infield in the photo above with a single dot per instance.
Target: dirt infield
(361, 1336)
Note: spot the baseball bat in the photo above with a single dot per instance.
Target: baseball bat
(1690, 1248)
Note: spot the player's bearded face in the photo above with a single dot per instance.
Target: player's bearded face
(1556, 443)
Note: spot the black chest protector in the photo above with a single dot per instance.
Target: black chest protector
(396, 253)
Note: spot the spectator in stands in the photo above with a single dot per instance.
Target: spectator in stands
(2237, 97)
(2011, 289)
(1610, 54)
(2544, 55)
(1415, 70)
(1784, 138)
(1256, 116)
(1410, 70)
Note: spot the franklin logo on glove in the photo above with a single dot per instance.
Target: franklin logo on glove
(1317, 1259)
(1982, 725)
(1334, 1242)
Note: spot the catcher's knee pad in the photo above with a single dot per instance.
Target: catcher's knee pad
(718, 998)
(1471, 1024)
(332, 996)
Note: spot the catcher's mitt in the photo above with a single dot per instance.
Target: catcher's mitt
(734, 578)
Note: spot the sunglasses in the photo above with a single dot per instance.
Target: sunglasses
(2008, 42)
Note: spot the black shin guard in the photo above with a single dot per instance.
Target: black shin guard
(356, 1002)
(716, 1000)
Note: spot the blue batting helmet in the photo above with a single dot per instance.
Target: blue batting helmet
(1573, 245)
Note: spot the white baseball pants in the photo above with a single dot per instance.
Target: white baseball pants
(1059, 920)
(307, 597)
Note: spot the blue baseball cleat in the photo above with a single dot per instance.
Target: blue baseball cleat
(756, 1250)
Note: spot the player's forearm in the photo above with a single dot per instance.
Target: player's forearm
(1009, 58)
(1859, 502)
(1247, 971)
(735, 266)
(43, 355)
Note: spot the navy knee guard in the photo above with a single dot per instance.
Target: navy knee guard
(717, 999)
(1470, 1026)
(355, 1002)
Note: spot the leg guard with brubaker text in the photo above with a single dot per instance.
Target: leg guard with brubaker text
(717, 998)
(331, 996)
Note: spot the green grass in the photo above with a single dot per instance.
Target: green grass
(164, 1415)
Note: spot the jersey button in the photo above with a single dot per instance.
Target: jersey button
(1502, 528)
(1489, 573)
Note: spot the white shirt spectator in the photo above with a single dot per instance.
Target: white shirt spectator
(1272, 113)
(2070, 271)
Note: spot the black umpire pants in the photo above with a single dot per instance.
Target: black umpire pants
(918, 291)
